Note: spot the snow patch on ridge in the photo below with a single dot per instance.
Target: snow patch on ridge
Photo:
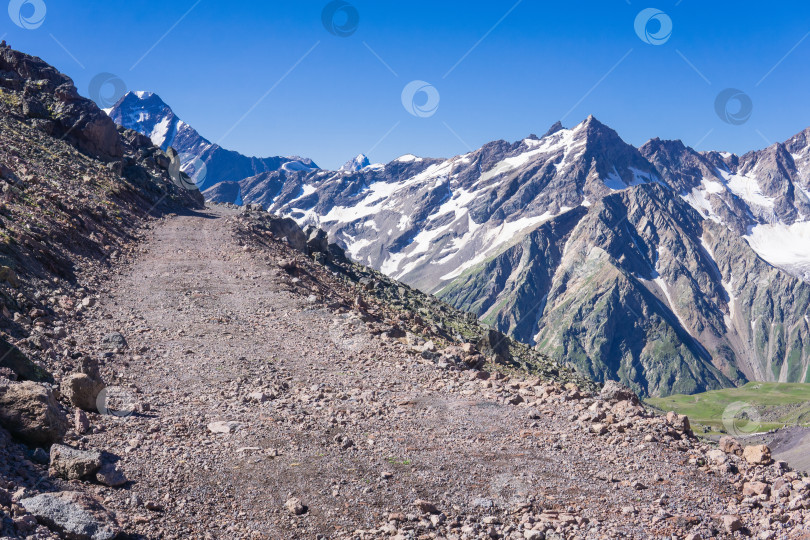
(786, 246)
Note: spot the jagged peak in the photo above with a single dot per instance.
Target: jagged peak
(355, 164)
(668, 145)
(557, 126)
(140, 96)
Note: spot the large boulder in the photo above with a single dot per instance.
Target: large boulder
(73, 515)
(679, 421)
(82, 390)
(16, 361)
(74, 464)
(289, 229)
(317, 240)
(758, 454)
(730, 445)
(616, 391)
(29, 411)
(495, 345)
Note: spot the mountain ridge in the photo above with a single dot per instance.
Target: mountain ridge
(148, 114)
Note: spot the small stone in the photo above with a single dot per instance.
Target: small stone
(295, 506)
(114, 341)
(29, 410)
(257, 397)
(223, 427)
(426, 507)
(732, 524)
(111, 475)
(80, 422)
(154, 506)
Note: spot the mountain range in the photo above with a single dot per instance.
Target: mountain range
(147, 114)
(672, 270)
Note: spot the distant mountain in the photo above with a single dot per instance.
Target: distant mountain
(146, 113)
(670, 269)
(357, 164)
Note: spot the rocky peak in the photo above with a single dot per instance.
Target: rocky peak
(557, 126)
(49, 100)
(679, 165)
(356, 164)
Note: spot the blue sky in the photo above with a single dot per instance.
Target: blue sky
(543, 62)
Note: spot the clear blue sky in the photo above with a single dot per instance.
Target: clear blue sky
(531, 70)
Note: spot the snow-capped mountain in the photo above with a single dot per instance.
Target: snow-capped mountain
(357, 164)
(146, 113)
(426, 220)
(763, 196)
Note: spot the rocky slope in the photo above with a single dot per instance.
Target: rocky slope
(147, 114)
(74, 189)
(226, 430)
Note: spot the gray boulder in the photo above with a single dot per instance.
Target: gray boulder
(111, 475)
(73, 515)
(289, 229)
(73, 464)
(113, 341)
(317, 241)
(29, 411)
